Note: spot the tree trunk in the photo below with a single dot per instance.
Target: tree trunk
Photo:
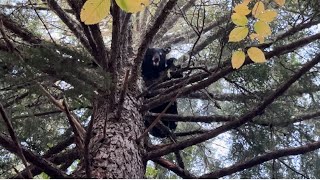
(113, 150)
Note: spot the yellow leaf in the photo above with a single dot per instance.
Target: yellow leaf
(237, 59)
(257, 9)
(132, 6)
(262, 28)
(280, 2)
(256, 55)
(258, 37)
(239, 19)
(238, 34)
(93, 11)
(241, 9)
(267, 16)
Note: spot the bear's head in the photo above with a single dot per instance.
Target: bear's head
(154, 62)
(157, 56)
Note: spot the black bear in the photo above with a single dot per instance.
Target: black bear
(153, 64)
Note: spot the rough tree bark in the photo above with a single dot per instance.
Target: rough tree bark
(114, 151)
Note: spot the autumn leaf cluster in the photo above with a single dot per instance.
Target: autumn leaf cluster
(261, 18)
(93, 11)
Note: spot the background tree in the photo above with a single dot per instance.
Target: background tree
(72, 97)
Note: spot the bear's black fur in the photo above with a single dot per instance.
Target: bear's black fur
(154, 63)
(157, 132)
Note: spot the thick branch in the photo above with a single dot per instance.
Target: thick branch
(115, 50)
(261, 159)
(93, 35)
(178, 118)
(14, 139)
(19, 30)
(219, 118)
(41, 163)
(72, 25)
(242, 120)
(190, 133)
(50, 155)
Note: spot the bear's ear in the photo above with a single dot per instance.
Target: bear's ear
(167, 49)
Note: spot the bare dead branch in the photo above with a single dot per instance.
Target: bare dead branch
(180, 37)
(172, 21)
(174, 168)
(222, 32)
(78, 129)
(43, 23)
(293, 169)
(297, 28)
(14, 139)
